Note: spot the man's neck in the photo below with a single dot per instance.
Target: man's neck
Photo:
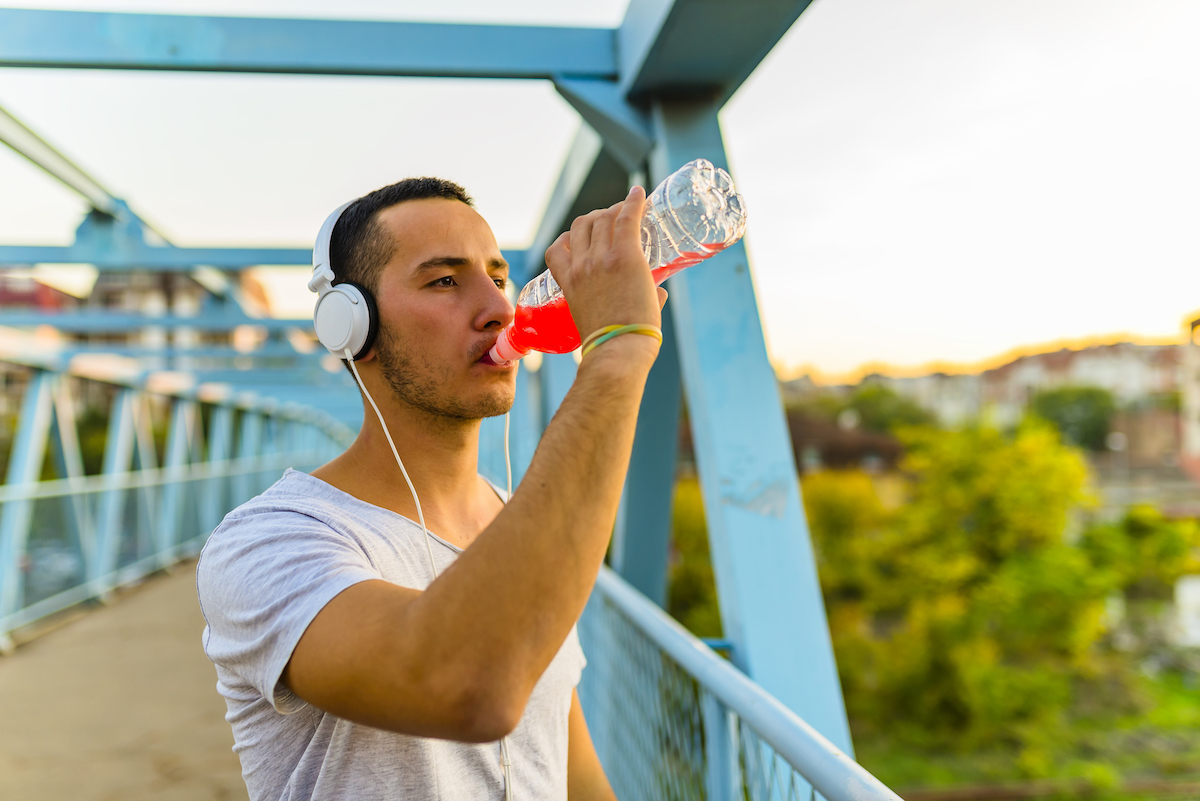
(441, 456)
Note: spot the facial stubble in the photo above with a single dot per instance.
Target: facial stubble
(419, 382)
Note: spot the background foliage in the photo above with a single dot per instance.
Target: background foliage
(975, 610)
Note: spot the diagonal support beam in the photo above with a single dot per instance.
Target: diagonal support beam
(624, 129)
(25, 142)
(771, 605)
(698, 48)
(25, 466)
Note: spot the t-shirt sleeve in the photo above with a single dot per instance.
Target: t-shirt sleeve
(262, 578)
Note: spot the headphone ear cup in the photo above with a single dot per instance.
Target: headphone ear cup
(345, 320)
(372, 312)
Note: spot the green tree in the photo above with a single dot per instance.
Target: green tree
(691, 590)
(963, 614)
(1145, 553)
(878, 407)
(1081, 414)
(881, 409)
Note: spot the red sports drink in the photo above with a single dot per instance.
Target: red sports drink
(692, 215)
(549, 328)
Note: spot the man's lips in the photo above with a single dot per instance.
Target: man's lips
(486, 357)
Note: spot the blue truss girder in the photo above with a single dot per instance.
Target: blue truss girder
(20, 138)
(106, 322)
(91, 40)
(624, 128)
(158, 259)
(133, 257)
(771, 604)
(698, 48)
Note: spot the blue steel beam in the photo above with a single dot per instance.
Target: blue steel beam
(166, 259)
(269, 351)
(118, 459)
(185, 422)
(20, 138)
(642, 536)
(89, 40)
(158, 259)
(24, 466)
(624, 128)
(102, 322)
(771, 606)
(698, 48)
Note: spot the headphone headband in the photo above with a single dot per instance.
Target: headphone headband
(323, 275)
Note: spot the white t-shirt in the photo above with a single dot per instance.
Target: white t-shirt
(264, 574)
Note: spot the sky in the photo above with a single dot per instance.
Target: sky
(928, 182)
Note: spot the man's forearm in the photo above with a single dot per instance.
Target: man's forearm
(532, 569)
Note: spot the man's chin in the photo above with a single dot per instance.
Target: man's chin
(495, 407)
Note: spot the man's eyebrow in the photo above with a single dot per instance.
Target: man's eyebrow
(442, 262)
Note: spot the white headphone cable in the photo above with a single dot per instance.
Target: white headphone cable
(505, 764)
(388, 434)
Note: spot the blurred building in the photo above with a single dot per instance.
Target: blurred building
(1132, 373)
(1156, 457)
(1189, 456)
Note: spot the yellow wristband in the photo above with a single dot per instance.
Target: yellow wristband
(608, 329)
(599, 337)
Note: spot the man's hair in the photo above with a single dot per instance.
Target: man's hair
(360, 247)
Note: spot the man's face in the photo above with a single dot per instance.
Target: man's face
(441, 306)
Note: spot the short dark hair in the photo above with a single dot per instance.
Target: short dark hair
(359, 248)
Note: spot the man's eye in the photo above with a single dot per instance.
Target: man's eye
(501, 282)
(446, 281)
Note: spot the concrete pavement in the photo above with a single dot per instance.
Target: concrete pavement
(120, 704)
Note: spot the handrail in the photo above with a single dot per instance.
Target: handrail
(153, 476)
(834, 774)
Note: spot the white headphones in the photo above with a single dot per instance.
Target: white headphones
(345, 316)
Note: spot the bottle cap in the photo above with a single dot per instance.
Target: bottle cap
(503, 351)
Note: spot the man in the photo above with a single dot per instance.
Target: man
(348, 669)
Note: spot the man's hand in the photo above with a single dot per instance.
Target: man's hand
(602, 271)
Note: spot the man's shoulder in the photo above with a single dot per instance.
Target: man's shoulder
(295, 507)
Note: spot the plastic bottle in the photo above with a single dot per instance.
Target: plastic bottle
(695, 213)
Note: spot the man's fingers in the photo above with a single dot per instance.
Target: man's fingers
(602, 235)
(558, 255)
(581, 233)
(662, 298)
(628, 225)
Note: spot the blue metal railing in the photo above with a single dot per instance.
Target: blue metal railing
(80, 537)
(673, 720)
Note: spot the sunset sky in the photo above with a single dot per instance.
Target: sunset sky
(927, 181)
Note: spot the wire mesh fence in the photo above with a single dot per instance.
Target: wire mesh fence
(672, 720)
(660, 733)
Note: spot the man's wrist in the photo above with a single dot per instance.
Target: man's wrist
(628, 354)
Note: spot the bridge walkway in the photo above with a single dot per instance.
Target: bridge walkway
(118, 704)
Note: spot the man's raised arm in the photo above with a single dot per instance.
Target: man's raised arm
(460, 659)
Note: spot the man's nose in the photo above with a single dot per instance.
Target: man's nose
(497, 308)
